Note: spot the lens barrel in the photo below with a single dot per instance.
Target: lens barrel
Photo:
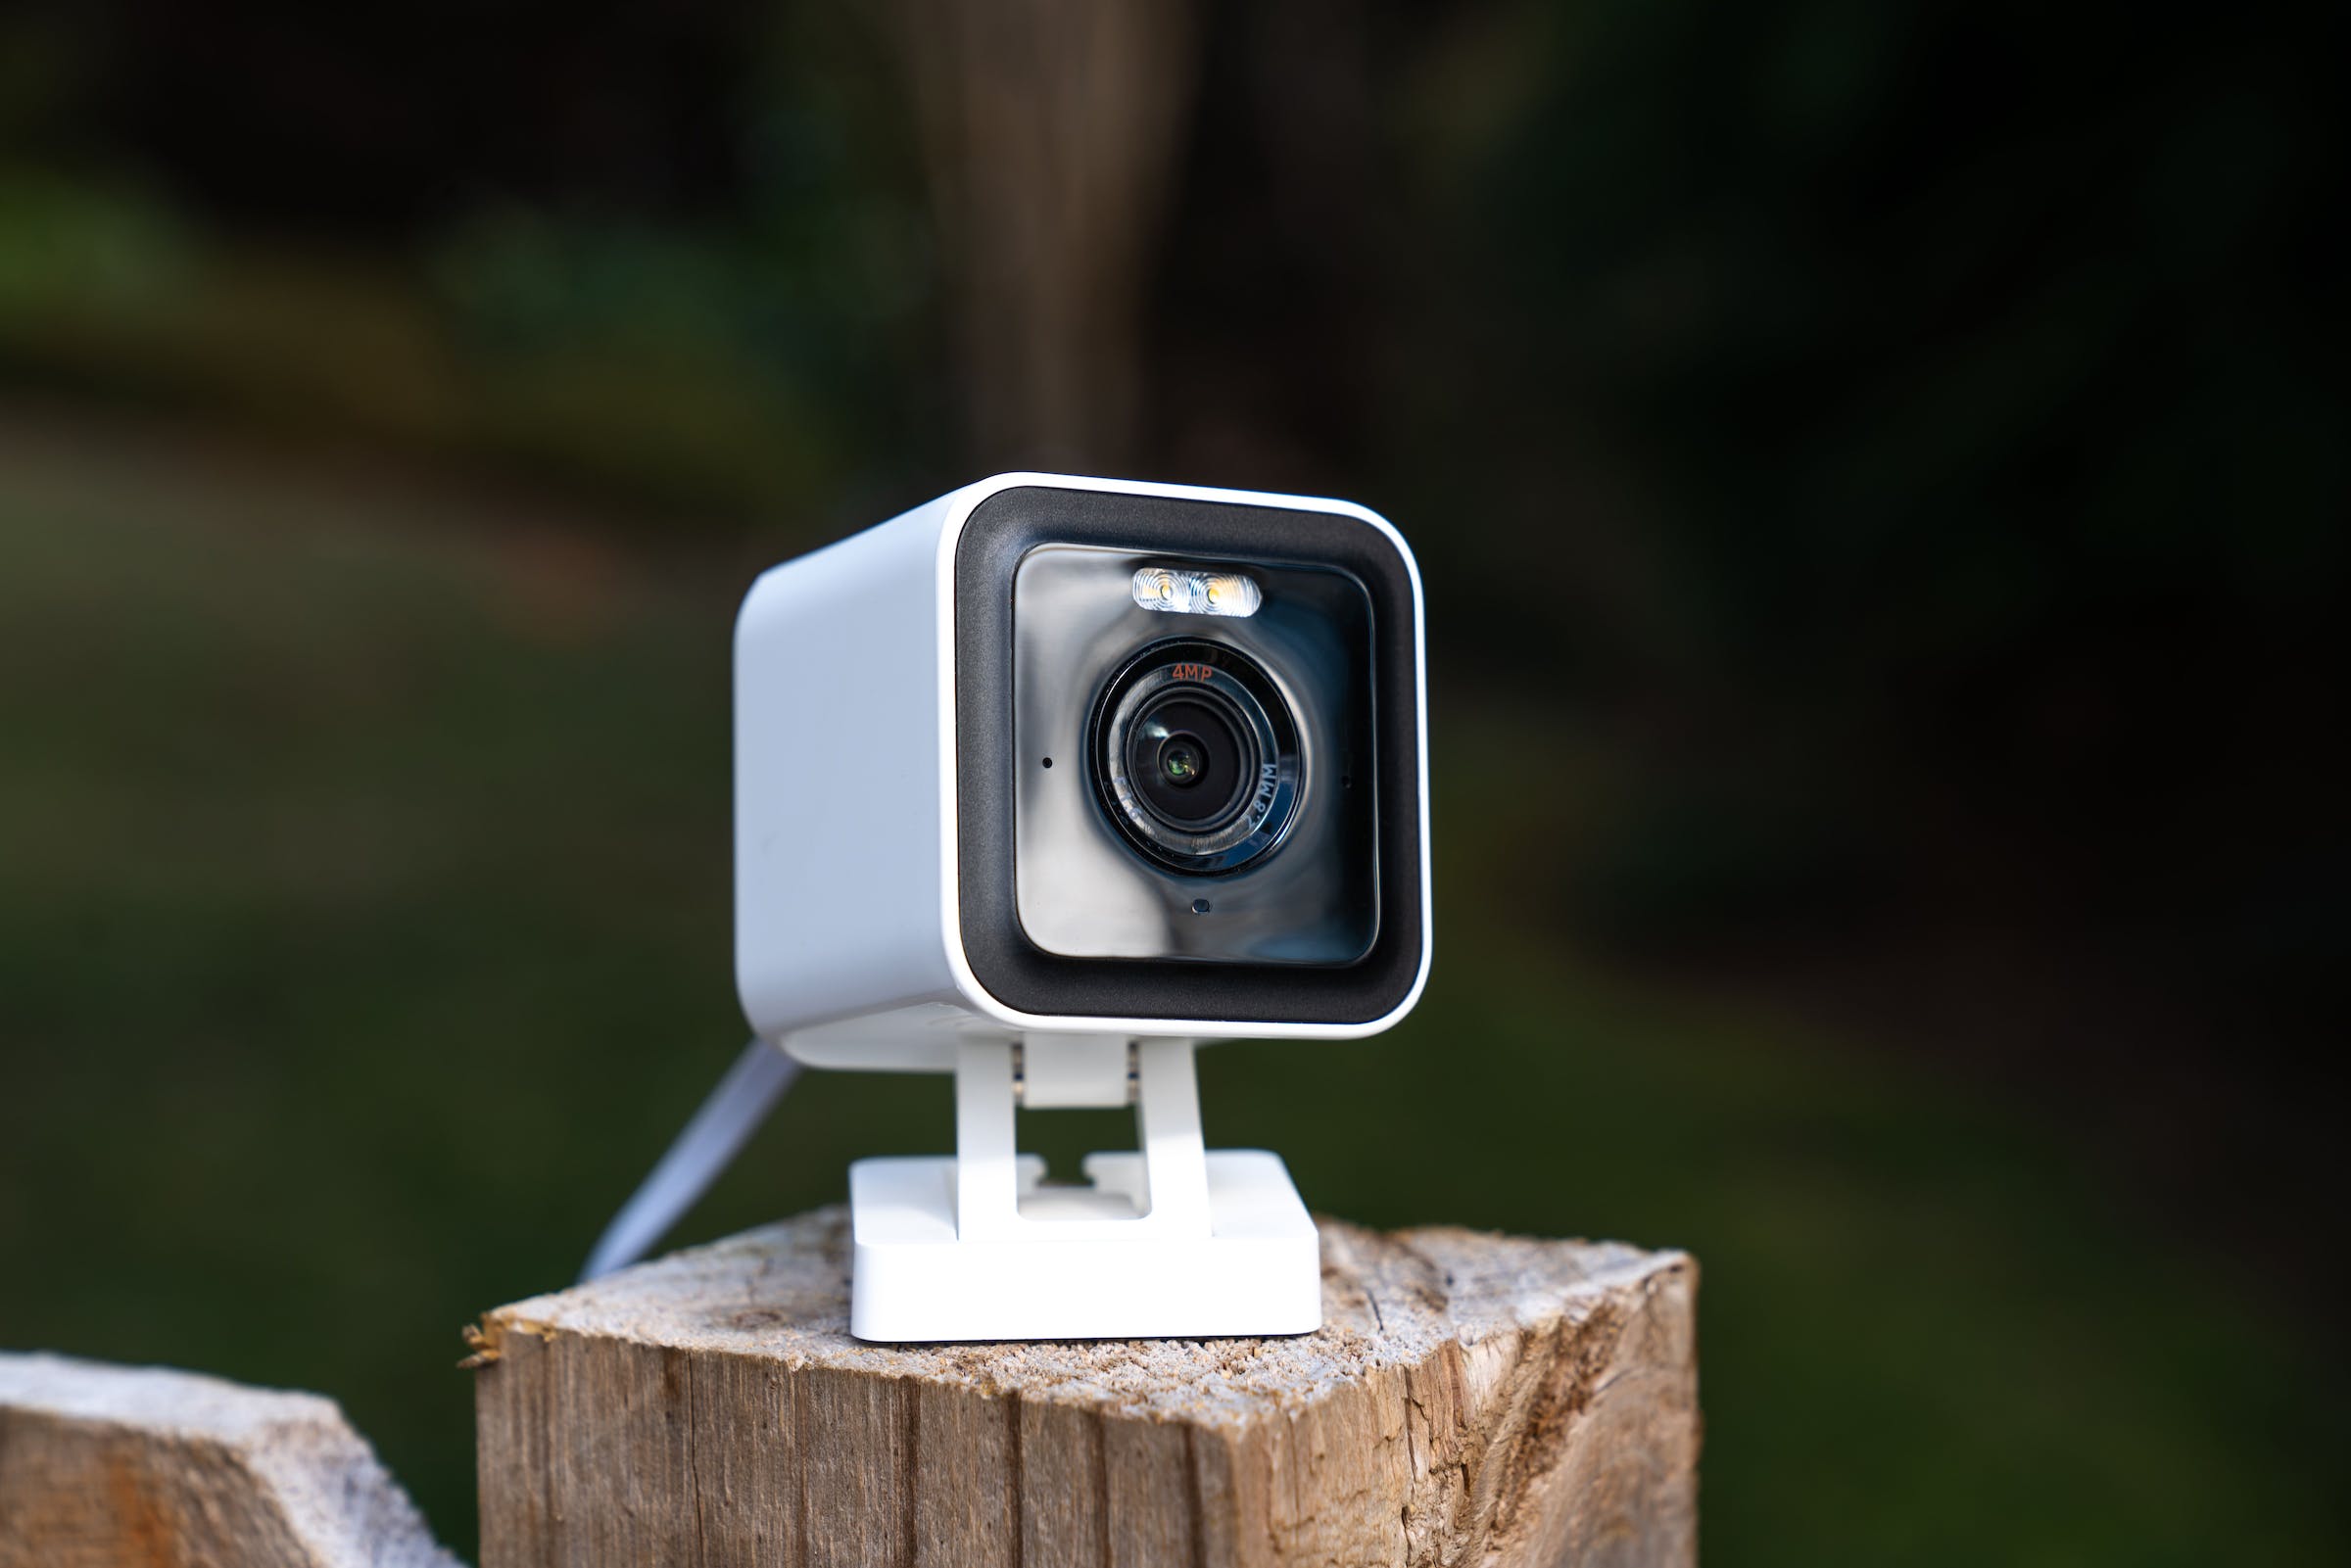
(1196, 757)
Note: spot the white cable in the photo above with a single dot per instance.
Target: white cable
(710, 1141)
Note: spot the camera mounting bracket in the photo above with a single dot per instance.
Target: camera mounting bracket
(1167, 1240)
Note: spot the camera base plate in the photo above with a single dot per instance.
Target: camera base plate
(1078, 1263)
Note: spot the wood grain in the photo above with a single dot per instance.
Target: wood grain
(1470, 1399)
(106, 1465)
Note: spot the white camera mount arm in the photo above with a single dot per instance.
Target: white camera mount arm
(1167, 1239)
(992, 1080)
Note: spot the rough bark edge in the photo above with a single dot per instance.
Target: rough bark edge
(102, 1464)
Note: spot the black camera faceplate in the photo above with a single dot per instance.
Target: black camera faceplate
(1101, 868)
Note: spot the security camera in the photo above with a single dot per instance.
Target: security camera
(1079, 756)
(1040, 784)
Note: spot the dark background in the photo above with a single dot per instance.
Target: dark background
(1879, 472)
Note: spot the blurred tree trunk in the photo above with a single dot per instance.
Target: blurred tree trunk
(1051, 129)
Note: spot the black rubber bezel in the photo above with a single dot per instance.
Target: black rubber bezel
(1022, 975)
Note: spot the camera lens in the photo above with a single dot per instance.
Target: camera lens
(1196, 756)
(1179, 761)
(1188, 756)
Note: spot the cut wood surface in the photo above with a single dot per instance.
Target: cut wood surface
(1470, 1399)
(103, 1465)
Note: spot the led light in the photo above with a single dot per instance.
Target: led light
(1183, 592)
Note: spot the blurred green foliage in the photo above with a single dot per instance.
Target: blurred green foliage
(750, 357)
(627, 360)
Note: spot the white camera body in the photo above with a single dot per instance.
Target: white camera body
(1040, 783)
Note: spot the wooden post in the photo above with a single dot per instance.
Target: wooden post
(101, 1465)
(1470, 1399)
